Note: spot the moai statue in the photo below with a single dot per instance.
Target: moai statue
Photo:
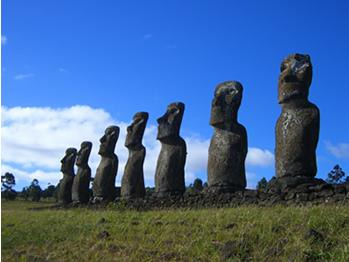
(169, 174)
(66, 183)
(104, 183)
(228, 148)
(297, 129)
(132, 184)
(81, 183)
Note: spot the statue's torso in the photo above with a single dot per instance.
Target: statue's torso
(65, 188)
(297, 132)
(105, 176)
(132, 183)
(169, 176)
(226, 161)
(81, 183)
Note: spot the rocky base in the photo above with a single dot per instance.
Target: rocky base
(313, 192)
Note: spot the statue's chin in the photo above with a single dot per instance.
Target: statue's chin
(104, 152)
(165, 138)
(296, 94)
(131, 144)
(216, 123)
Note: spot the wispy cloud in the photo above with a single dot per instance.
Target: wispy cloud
(62, 70)
(259, 157)
(340, 150)
(3, 40)
(23, 76)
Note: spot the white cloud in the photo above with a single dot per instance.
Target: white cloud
(44, 177)
(147, 36)
(259, 157)
(35, 138)
(340, 150)
(3, 40)
(22, 76)
(252, 180)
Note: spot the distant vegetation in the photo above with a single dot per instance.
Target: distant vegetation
(7, 182)
(337, 176)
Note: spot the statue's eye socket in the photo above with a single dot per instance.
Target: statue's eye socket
(172, 110)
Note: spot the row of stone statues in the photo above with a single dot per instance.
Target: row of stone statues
(297, 132)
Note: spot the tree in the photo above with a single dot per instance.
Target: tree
(198, 184)
(262, 184)
(336, 175)
(24, 194)
(34, 190)
(49, 191)
(7, 182)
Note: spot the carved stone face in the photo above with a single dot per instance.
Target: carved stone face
(295, 77)
(226, 103)
(170, 122)
(83, 154)
(135, 131)
(67, 162)
(108, 141)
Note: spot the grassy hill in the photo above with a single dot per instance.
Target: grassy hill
(235, 234)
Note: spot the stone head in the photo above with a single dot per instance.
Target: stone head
(135, 131)
(295, 78)
(170, 122)
(67, 162)
(83, 154)
(108, 141)
(226, 103)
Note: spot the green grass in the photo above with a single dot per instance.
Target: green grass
(239, 234)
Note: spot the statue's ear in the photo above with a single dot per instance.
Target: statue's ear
(139, 121)
(71, 156)
(229, 98)
(115, 134)
(172, 116)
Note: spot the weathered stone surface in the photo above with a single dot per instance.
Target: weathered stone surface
(132, 184)
(66, 183)
(169, 174)
(207, 199)
(104, 183)
(297, 129)
(81, 183)
(228, 148)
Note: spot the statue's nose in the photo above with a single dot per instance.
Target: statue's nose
(102, 139)
(162, 118)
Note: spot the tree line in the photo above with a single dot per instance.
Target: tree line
(32, 192)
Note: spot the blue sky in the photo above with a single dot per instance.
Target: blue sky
(127, 56)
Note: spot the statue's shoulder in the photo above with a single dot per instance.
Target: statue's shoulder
(314, 110)
(314, 107)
